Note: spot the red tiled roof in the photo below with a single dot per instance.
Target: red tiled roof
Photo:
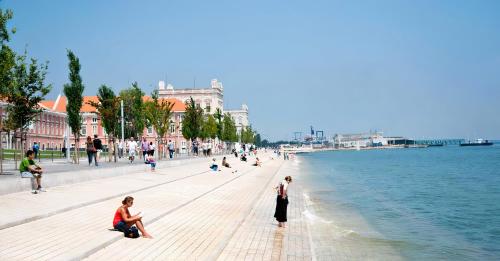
(60, 106)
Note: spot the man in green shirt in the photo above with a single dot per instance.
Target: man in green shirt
(29, 169)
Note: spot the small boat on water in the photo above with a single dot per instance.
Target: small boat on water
(478, 142)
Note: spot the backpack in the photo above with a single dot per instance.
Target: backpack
(131, 232)
(97, 144)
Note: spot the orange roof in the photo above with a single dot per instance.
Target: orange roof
(47, 104)
(87, 107)
(59, 105)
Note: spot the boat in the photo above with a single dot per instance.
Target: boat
(477, 142)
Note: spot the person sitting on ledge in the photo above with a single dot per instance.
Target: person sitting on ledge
(125, 222)
(257, 162)
(243, 157)
(29, 169)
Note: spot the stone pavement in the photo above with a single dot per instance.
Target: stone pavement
(192, 213)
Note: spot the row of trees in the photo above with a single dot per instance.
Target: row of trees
(22, 87)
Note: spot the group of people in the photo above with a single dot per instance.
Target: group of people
(206, 148)
(93, 148)
(130, 225)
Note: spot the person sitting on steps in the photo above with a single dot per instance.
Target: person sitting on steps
(29, 169)
(125, 222)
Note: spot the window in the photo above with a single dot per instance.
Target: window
(94, 129)
(94, 120)
(207, 108)
(150, 130)
(172, 127)
(83, 130)
(180, 127)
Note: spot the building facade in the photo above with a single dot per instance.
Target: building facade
(209, 99)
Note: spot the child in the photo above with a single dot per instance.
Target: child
(151, 160)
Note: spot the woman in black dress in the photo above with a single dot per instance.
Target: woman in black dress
(282, 201)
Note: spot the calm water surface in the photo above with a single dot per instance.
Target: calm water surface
(432, 203)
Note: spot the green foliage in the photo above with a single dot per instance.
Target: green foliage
(258, 141)
(74, 94)
(7, 56)
(209, 128)
(247, 135)
(108, 108)
(218, 119)
(133, 107)
(158, 114)
(27, 90)
(229, 129)
(193, 120)
(5, 16)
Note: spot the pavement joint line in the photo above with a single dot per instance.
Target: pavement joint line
(86, 254)
(92, 202)
(182, 239)
(223, 244)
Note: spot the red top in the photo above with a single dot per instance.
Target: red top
(118, 217)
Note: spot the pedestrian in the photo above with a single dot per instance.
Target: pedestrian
(152, 162)
(29, 169)
(36, 148)
(151, 149)
(144, 148)
(170, 147)
(282, 201)
(91, 150)
(98, 148)
(132, 146)
(120, 149)
(124, 222)
(209, 148)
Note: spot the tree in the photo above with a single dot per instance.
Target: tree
(158, 113)
(229, 131)
(7, 55)
(247, 135)
(258, 141)
(193, 120)
(108, 108)
(218, 119)
(74, 94)
(27, 91)
(133, 106)
(209, 129)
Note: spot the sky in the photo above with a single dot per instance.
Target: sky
(419, 69)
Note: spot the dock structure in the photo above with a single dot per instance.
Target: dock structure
(193, 214)
(440, 142)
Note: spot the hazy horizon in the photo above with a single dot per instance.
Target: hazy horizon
(426, 69)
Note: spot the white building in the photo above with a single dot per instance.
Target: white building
(362, 140)
(209, 99)
(240, 117)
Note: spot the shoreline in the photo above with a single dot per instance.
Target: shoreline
(337, 233)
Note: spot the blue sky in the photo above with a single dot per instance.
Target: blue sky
(420, 69)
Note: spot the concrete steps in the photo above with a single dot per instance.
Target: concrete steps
(77, 230)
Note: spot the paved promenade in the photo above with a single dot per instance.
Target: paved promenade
(192, 213)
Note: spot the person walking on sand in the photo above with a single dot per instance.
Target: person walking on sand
(282, 201)
(125, 222)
